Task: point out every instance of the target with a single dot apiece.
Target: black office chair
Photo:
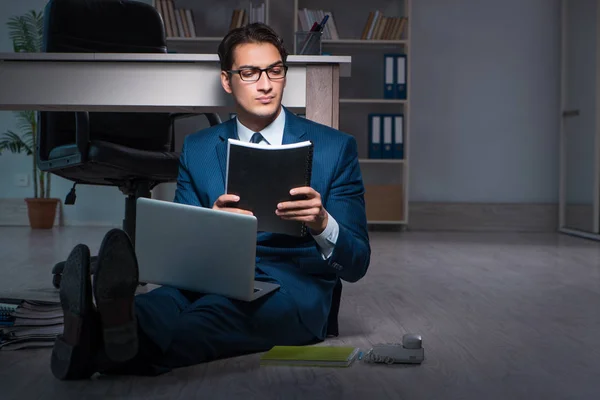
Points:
(132, 151)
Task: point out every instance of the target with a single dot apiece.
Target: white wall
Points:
(485, 100)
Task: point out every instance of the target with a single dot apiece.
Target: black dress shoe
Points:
(59, 267)
(115, 283)
(75, 349)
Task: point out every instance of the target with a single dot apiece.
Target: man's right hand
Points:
(223, 204)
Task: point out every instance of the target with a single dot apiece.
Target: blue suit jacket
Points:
(295, 263)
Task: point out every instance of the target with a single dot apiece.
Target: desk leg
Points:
(323, 94)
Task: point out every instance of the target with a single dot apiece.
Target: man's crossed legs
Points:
(154, 332)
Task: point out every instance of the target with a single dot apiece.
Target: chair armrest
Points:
(82, 143)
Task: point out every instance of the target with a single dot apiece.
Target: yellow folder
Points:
(310, 356)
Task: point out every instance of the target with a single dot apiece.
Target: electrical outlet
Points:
(22, 180)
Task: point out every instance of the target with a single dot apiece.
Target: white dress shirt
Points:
(273, 134)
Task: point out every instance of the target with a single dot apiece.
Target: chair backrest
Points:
(105, 26)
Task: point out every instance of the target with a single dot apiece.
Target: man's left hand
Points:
(309, 210)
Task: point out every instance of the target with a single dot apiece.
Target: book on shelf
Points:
(178, 22)
(263, 175)
(29, 323)
(386, 136)
(377, 27)
(394, 76)
(239, 18)
(381, 27)
(311, 356)
(242, 16)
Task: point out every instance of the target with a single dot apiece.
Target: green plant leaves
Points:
(26, 32)
(14, 143)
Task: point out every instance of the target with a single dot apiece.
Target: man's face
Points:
(261, 98)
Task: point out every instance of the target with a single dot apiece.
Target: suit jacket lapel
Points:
(293, 130)
(229, 131)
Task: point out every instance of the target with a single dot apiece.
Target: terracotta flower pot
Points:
(41, 212)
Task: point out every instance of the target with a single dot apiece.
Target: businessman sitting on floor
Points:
(169, 328)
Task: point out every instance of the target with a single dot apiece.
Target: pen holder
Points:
(308, 43)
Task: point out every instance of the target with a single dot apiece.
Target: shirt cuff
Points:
(327, 239)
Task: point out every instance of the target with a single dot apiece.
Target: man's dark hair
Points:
(252, 33)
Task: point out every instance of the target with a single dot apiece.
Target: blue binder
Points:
(388, 136)
(398, 151)
(375, 123)
(389, 73)
(401, 76)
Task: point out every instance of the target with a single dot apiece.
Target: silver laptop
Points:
(198, 249)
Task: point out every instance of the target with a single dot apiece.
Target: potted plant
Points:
(26, 33)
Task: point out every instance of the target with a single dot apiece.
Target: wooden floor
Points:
(503, 316)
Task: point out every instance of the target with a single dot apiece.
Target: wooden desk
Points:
(155, 83)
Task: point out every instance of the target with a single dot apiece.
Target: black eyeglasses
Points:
(253, 74)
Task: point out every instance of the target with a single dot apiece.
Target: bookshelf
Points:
(386, 180)
(208, 27)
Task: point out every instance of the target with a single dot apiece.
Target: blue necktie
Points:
(256, 138)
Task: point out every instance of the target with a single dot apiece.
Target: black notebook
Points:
(263, 175)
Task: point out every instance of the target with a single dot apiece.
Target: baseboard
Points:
(93, 224)
(13, 212)
(501, 217)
